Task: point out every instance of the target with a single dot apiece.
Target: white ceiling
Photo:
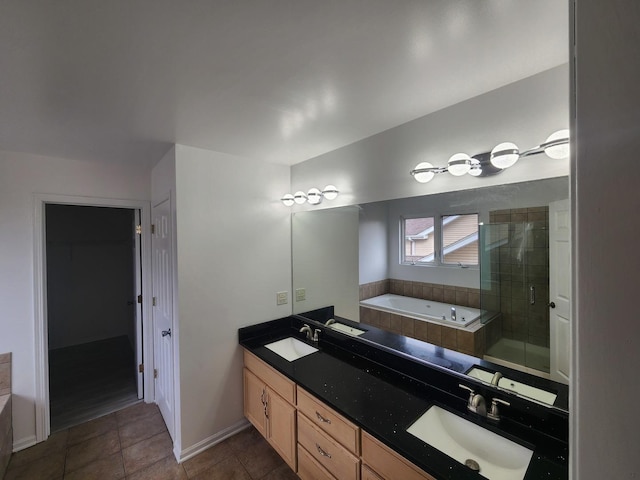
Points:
(274, 80)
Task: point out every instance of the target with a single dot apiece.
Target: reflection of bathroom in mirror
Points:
(510, 288)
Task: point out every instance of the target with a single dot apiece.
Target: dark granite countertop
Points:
(386, 401)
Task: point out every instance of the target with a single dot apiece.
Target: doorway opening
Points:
(94, 314)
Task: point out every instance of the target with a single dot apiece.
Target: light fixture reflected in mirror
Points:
(503, 156)
(314, 196)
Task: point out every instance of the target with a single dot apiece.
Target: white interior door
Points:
(163, 311)
(560, 289)
(137, 282)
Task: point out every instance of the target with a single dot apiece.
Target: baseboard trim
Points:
(23, 443)
(209, 442)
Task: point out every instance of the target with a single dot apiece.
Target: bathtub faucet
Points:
(453, 314)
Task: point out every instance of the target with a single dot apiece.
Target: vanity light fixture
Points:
(314, 196)
(503, 156)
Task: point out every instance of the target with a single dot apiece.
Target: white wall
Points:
(234, 254)
(373, 243)
(605, 386)
(22, 175)
(325, 260)
(377, 168)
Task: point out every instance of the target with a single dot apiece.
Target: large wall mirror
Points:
(346, 254)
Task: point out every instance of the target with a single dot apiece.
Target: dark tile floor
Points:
(133, 444)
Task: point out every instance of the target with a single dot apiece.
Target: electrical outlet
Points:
(301, 294)
(281, 298)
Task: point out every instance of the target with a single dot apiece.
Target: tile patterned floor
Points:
(133, 444)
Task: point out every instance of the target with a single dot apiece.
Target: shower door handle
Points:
(532, 295)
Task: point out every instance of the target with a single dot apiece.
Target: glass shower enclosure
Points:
(514, 288)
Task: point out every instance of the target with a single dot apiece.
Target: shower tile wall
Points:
(519, 268)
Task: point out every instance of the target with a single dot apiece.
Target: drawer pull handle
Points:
(322, 452)
(322, 419)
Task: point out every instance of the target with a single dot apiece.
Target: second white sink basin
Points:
(341, 327)
(514, 386)
(497, 457)
(291, 348)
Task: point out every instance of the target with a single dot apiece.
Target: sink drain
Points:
(472, 464)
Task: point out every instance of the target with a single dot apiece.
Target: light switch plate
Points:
(281, 298)
(301, 294)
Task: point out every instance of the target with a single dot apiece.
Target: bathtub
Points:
(426, 310)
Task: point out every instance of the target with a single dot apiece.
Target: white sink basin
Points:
(341, 327)
(498, 458)
(523, 389)
(291, 348)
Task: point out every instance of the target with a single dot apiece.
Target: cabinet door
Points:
(281, 429)
(368, 474)
(255, 395)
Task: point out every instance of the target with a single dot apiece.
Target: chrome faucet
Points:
(496, 378)
(330, 321)
(453, 314)
(476, 403)
(307, 329)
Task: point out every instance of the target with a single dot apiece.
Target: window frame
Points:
(438, 241)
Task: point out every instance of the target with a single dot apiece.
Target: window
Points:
(446, 240)
(419, 240)
(460, 239)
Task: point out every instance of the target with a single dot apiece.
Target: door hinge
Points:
(154, 301)
(139, 298)
(141, 368)
(155, 373)
(139, 229)
(153, 229)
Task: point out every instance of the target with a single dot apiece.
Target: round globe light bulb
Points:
(558, 152)
(423, 177)
(505, 155)
(314, 196)
(288, 200)
(476, 169)
(459, 164)
(330, 192)
(299, 197)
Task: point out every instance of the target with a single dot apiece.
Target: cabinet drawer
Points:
(309, 469)
(330, 421)
(326, 451)
(387, 463)
(278, 382)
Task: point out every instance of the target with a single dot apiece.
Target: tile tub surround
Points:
(470, 340)
(347, 374)
(463, 296)
(6, 430)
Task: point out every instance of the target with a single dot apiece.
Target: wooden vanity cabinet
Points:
(328, 444)
(269, 404)
(382, 463)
